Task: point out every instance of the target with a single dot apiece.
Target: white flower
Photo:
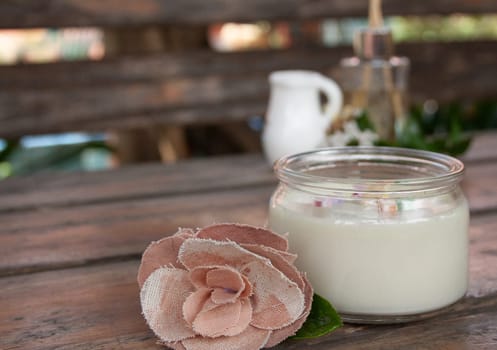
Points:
(367, 138)
(339, 139)
(352, 133)
(352, 129)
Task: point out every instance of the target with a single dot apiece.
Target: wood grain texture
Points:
(207, 87)
(480, 186)
(73, 309)
(60, 13)
(483, 148)
(66, 237)
(97, 307)
(134, 182)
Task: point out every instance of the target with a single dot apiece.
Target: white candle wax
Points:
(398, 266)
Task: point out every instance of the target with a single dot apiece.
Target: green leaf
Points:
(353, 142)
(322, 320)
(385, 143)
(459, 147)
(411, 136)
(363, 122)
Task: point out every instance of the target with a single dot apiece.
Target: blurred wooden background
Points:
(159, 73)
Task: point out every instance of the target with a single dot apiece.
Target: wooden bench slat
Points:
(203, 87)
(98, 306)
(30, 239)
(483, 147)
(58, 238)
(147, 180)
(60, 13)
(149, 68)
(480, 186)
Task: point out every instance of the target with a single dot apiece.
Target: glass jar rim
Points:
(369, 169)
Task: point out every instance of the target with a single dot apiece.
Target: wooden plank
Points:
(134, 182)
(51, 315)
(480, 186)
(30, 240)
(483, 147)
(60, 13)
(64, 237)
(97, 307)
(208, 87)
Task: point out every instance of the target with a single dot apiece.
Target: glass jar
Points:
(379, 89)
(375, 82)
(381, 232)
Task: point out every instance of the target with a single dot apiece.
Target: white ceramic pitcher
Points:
(295, 121)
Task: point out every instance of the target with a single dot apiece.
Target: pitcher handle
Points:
(335, 98)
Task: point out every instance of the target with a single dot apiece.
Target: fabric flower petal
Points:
(279, 261)
(195, 252)
(248, 290)
(198, 276)
(194, 303)
(244, 234)
(250, 339)
(279, 335)
(225, 277)
(223, 296)
(245, 318)
(162, 253)
(162, 297)
(289, 257)
(277, 301)
(217, 321)
(226, 281)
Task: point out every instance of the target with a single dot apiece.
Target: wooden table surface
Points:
(70, 246)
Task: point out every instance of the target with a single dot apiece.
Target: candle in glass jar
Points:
(389, 267)
(380, 240)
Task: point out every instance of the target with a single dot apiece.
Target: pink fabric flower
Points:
(225, 287)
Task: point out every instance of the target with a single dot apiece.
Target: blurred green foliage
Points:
(444, 28)
(18, 160)
(416, 28)
(448, 138)
(446, 129)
